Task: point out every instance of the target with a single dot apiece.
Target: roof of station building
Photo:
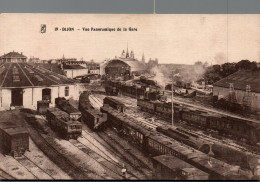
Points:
(241, 79)
(23, 75)
(134, 64)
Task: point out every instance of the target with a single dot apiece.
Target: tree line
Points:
(216, 72)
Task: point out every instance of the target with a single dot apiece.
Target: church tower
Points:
(132, 55)
(143, 59)
(127, 53)
(123, 54)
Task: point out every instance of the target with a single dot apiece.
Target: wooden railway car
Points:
(94, 118)
(240, 129)
(167, 167)
(91, 116)
(37, 123)
(146, 105)
(193, 142)
(111, 87)
(65, 106)
(155, 143)
(195, 118)
(14, 139)
(42, 106)
(61, 123)
(114, 104)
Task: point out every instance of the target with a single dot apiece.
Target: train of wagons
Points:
(155, 143)
(148, 100)
(117, 122)
(14, 139)
(240, 129)
(61, 122)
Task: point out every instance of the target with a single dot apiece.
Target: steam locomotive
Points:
(150, 92)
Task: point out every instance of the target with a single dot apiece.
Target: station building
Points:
(127, 64)
(23, 84)
(72, 71)
(244, 84)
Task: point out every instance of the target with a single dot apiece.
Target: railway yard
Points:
(120, 142)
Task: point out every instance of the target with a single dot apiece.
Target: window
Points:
(66, 91)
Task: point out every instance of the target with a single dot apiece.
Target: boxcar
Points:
(93, 118)
(65, 106)
(42, 106)
(15, 140)
(115, 104)
(146, 105)
(167, 167)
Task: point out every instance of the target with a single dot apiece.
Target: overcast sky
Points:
(170, 38)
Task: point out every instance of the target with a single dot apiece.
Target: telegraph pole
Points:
(172, 100)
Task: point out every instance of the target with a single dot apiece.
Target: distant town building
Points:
(244, 86)
(93, 68)
(66, 60)
(13, 57)
(72, 71)
(34, 60)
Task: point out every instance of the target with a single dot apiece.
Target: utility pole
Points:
(172, 100)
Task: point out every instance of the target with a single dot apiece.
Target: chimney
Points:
(22, 53)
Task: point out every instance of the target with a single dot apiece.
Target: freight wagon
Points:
(14, 139)
(167, 167)
(65, 106)
(91, 116)
(115, 104)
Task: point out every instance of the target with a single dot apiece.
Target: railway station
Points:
(99, 115)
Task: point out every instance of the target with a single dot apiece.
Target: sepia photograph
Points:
(129, 96)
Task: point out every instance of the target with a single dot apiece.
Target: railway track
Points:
(99, 102)
(111, 167)
(6, 176)
(33, 168)
(131, 167)
(63, 162)
(138, 164)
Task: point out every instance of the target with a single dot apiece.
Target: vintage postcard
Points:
(129, 97)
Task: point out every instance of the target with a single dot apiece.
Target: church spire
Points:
(127, 53)
(143, 59)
